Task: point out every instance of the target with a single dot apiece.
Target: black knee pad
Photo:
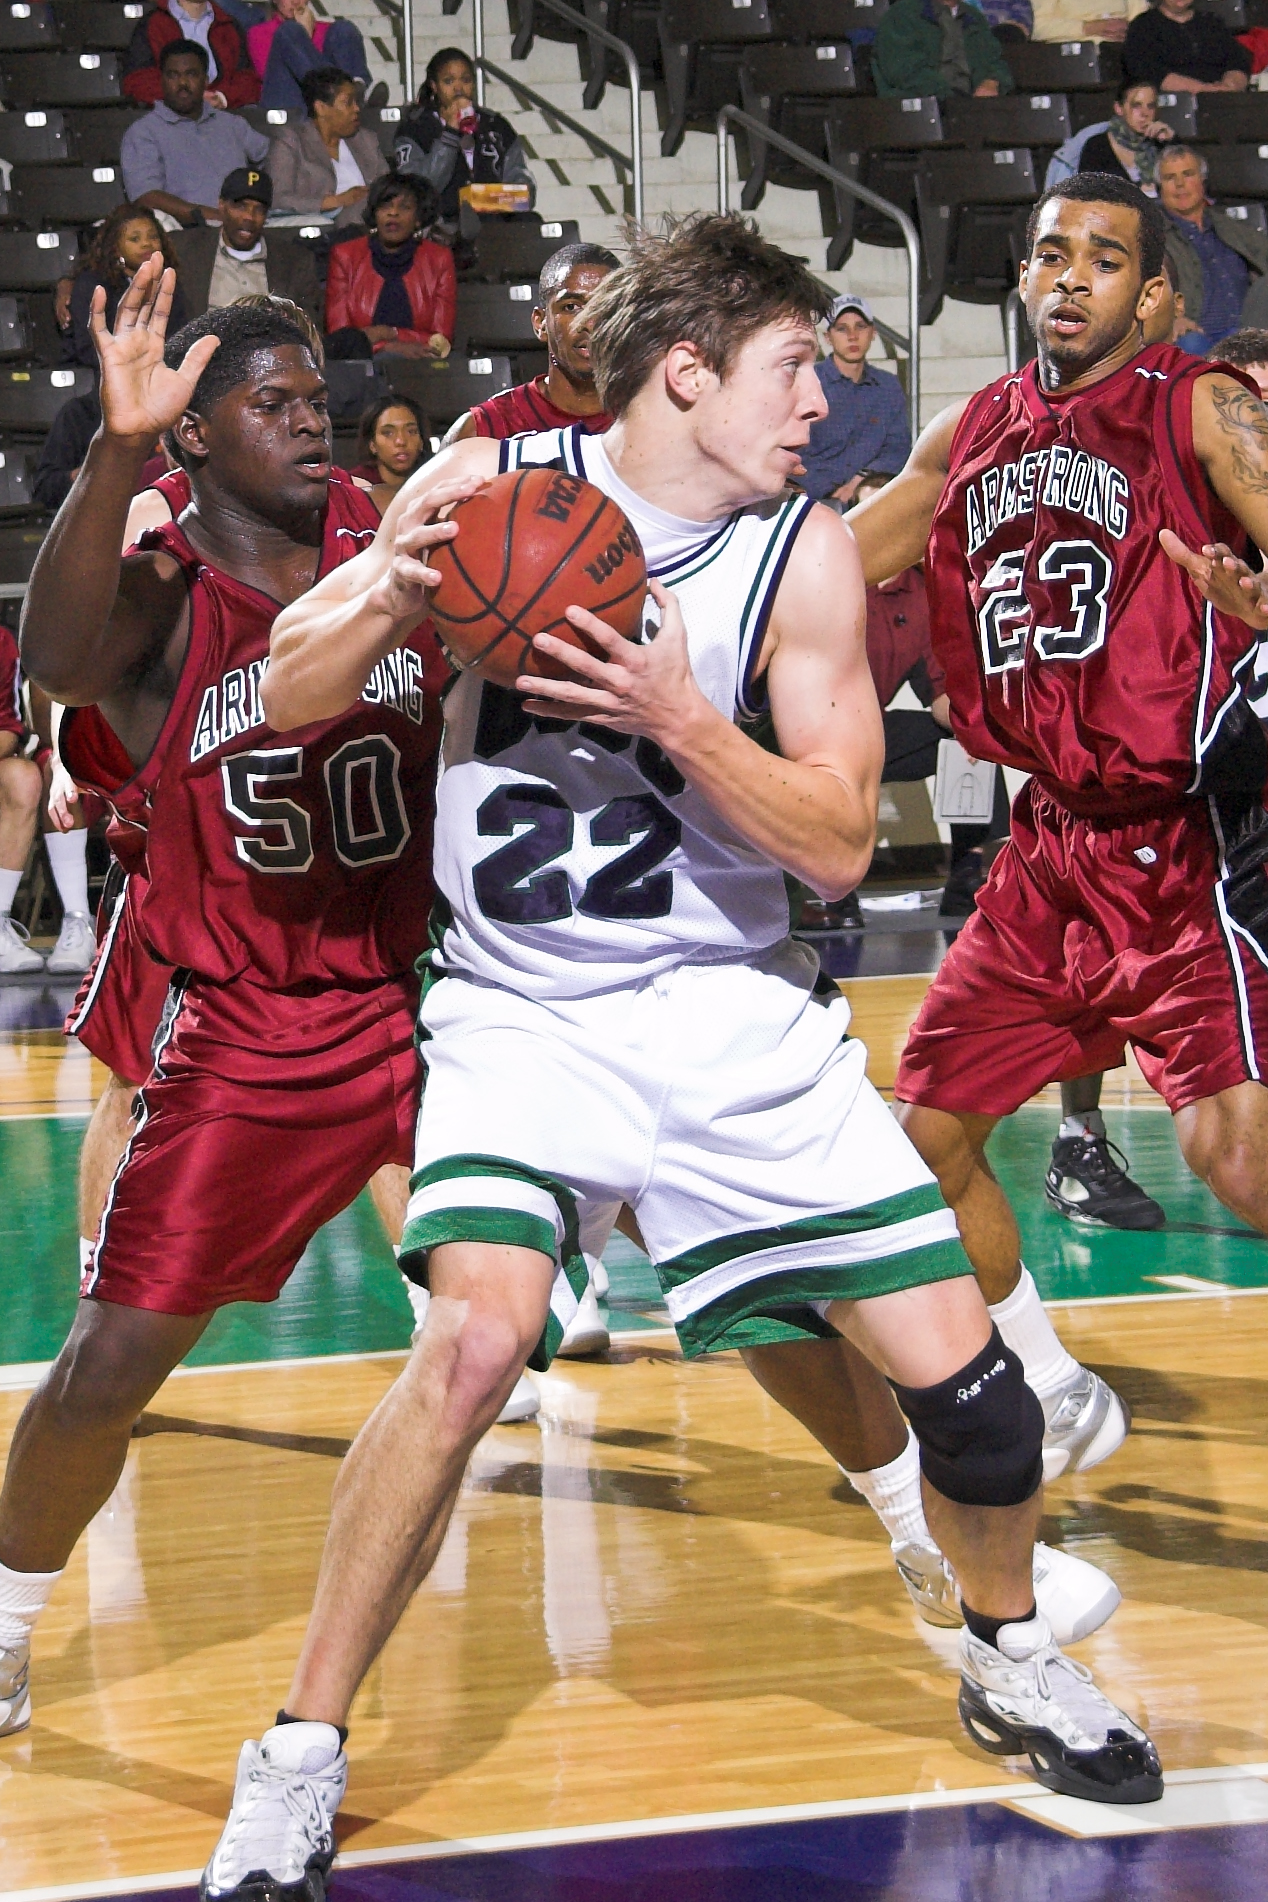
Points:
(981, 1431)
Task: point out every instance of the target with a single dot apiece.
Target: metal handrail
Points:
(634, 163)
(549, 110)
(911, 342)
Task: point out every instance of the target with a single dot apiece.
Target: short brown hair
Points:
(710, 280)
(1241, 349)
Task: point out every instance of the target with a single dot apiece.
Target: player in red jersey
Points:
(566, 394)
(1096, 633)
(288, 884)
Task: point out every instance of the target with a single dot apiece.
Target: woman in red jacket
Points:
(395, 287)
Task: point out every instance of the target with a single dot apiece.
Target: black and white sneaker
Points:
(278, 1843)
(1023, 1697)
(1088, 1181)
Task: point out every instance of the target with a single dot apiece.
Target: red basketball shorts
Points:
(265, 1114)
(119, 1004)
(1090, 936)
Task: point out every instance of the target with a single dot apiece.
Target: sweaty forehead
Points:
(1076, 222)
(288, 367)
(583, 280)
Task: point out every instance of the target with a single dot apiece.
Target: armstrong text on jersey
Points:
(234, 707)
(1059, 478)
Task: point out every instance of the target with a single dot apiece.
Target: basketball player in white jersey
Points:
(616, 1011)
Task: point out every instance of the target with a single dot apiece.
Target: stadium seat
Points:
(35, 138)
(512, 249)
(973, 208)
(701, 45)
(1255, 217)
(354, 386)
(445, 391)
(1065, 66)
(528, 21)
(637, 22)
(19, 545)
(16, 337)
(786, 87)
(46, 339)
(26, 26)
(61, 79)
(1232, 118)
(30, 398)
(878, 142)
(809, 20)
(1179, 110)
(34, 260)
(1232, 12)
(97, 131)
(270, 119)
(1237, 171)
(1029, 119)
(17, 473)
(64, 194)
(102, 26)
(384, 122)
(494, 318)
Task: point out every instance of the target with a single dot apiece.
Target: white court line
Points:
(1021, 1789)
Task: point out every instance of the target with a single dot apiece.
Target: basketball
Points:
(535, 542)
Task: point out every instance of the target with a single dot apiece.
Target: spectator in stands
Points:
(174, 159)
(1180, 48)
(1246, 350)
(937, 47)
(396, 287)
(394, 439)
(231, 79)
(119, 247)
(1070, 20)
(292, 41)
(566, 393)
(1213, 255)
(866, 426)
(326, 163)
(451, 142)
(1132, 143)
(219, 267)
(64, 448)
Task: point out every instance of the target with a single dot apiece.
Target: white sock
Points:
(1028, 1331)
(23, 1596)
(1083, 1123)
(86, 1246)
(67, 856)
(893, 1493)
(9, 882)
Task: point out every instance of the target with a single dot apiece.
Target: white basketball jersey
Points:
(572, 859)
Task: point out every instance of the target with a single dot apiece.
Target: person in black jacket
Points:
(1179, 48)
(123, 243)
(451, 142)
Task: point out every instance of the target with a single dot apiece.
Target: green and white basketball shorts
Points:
(725, 1102)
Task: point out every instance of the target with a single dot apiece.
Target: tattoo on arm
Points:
(1244, 419)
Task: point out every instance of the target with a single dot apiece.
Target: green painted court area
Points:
(347, 1298)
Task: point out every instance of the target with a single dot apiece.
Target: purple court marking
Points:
(977, 1852)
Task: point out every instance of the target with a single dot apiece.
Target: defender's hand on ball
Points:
(1222, 578)
(402, 593)
(645, 689)
(140, 396)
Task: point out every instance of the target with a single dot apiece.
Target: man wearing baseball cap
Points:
(866, 425)
(218, 265)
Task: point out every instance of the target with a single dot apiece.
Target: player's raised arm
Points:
(812, 808)
(87, 622)
(892, 529)
(326, 645)
(1230, 435)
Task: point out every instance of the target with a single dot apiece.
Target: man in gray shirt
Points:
(176, 157)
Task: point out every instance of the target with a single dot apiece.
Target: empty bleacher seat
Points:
(354, 386)
(61, 79)
(637, 22)
(65, 194)
(17, 473)
(97, 131)
(445, 391)
(878, 143)
(26, 25)
(494, 319)
(1232, 118)
(513, 249)
(16, 336)
(808, 20)
(973, 208)
(1237, 171)
(384, 122)
(34, 260)
(786, 87)
(1179, 110)
(1251, 217)
(102, 26)
(701, 45)
(35, 138)
(1062, 66)
(270, 119)
(30, 398)
(1029, 119)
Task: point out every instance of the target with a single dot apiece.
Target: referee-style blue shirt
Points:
(865, 428)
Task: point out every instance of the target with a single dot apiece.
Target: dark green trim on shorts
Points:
(926, 1200)
(776, 1307)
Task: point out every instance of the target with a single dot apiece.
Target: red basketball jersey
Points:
(12, 712)
(291, 859)
(1073, 647)
(527, 411)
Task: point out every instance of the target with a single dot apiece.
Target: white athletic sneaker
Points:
(1076, 1598)
(76, 946)
(1025, 1697)
(599, 1278)
(15, 1698)
(278, 1843)
(15, 948)
(586, 1332)
(1087, 1421)
(524, 1403)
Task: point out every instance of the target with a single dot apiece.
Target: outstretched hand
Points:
(140, 396)
(1222, 578)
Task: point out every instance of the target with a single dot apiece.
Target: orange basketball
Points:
(535, 542)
